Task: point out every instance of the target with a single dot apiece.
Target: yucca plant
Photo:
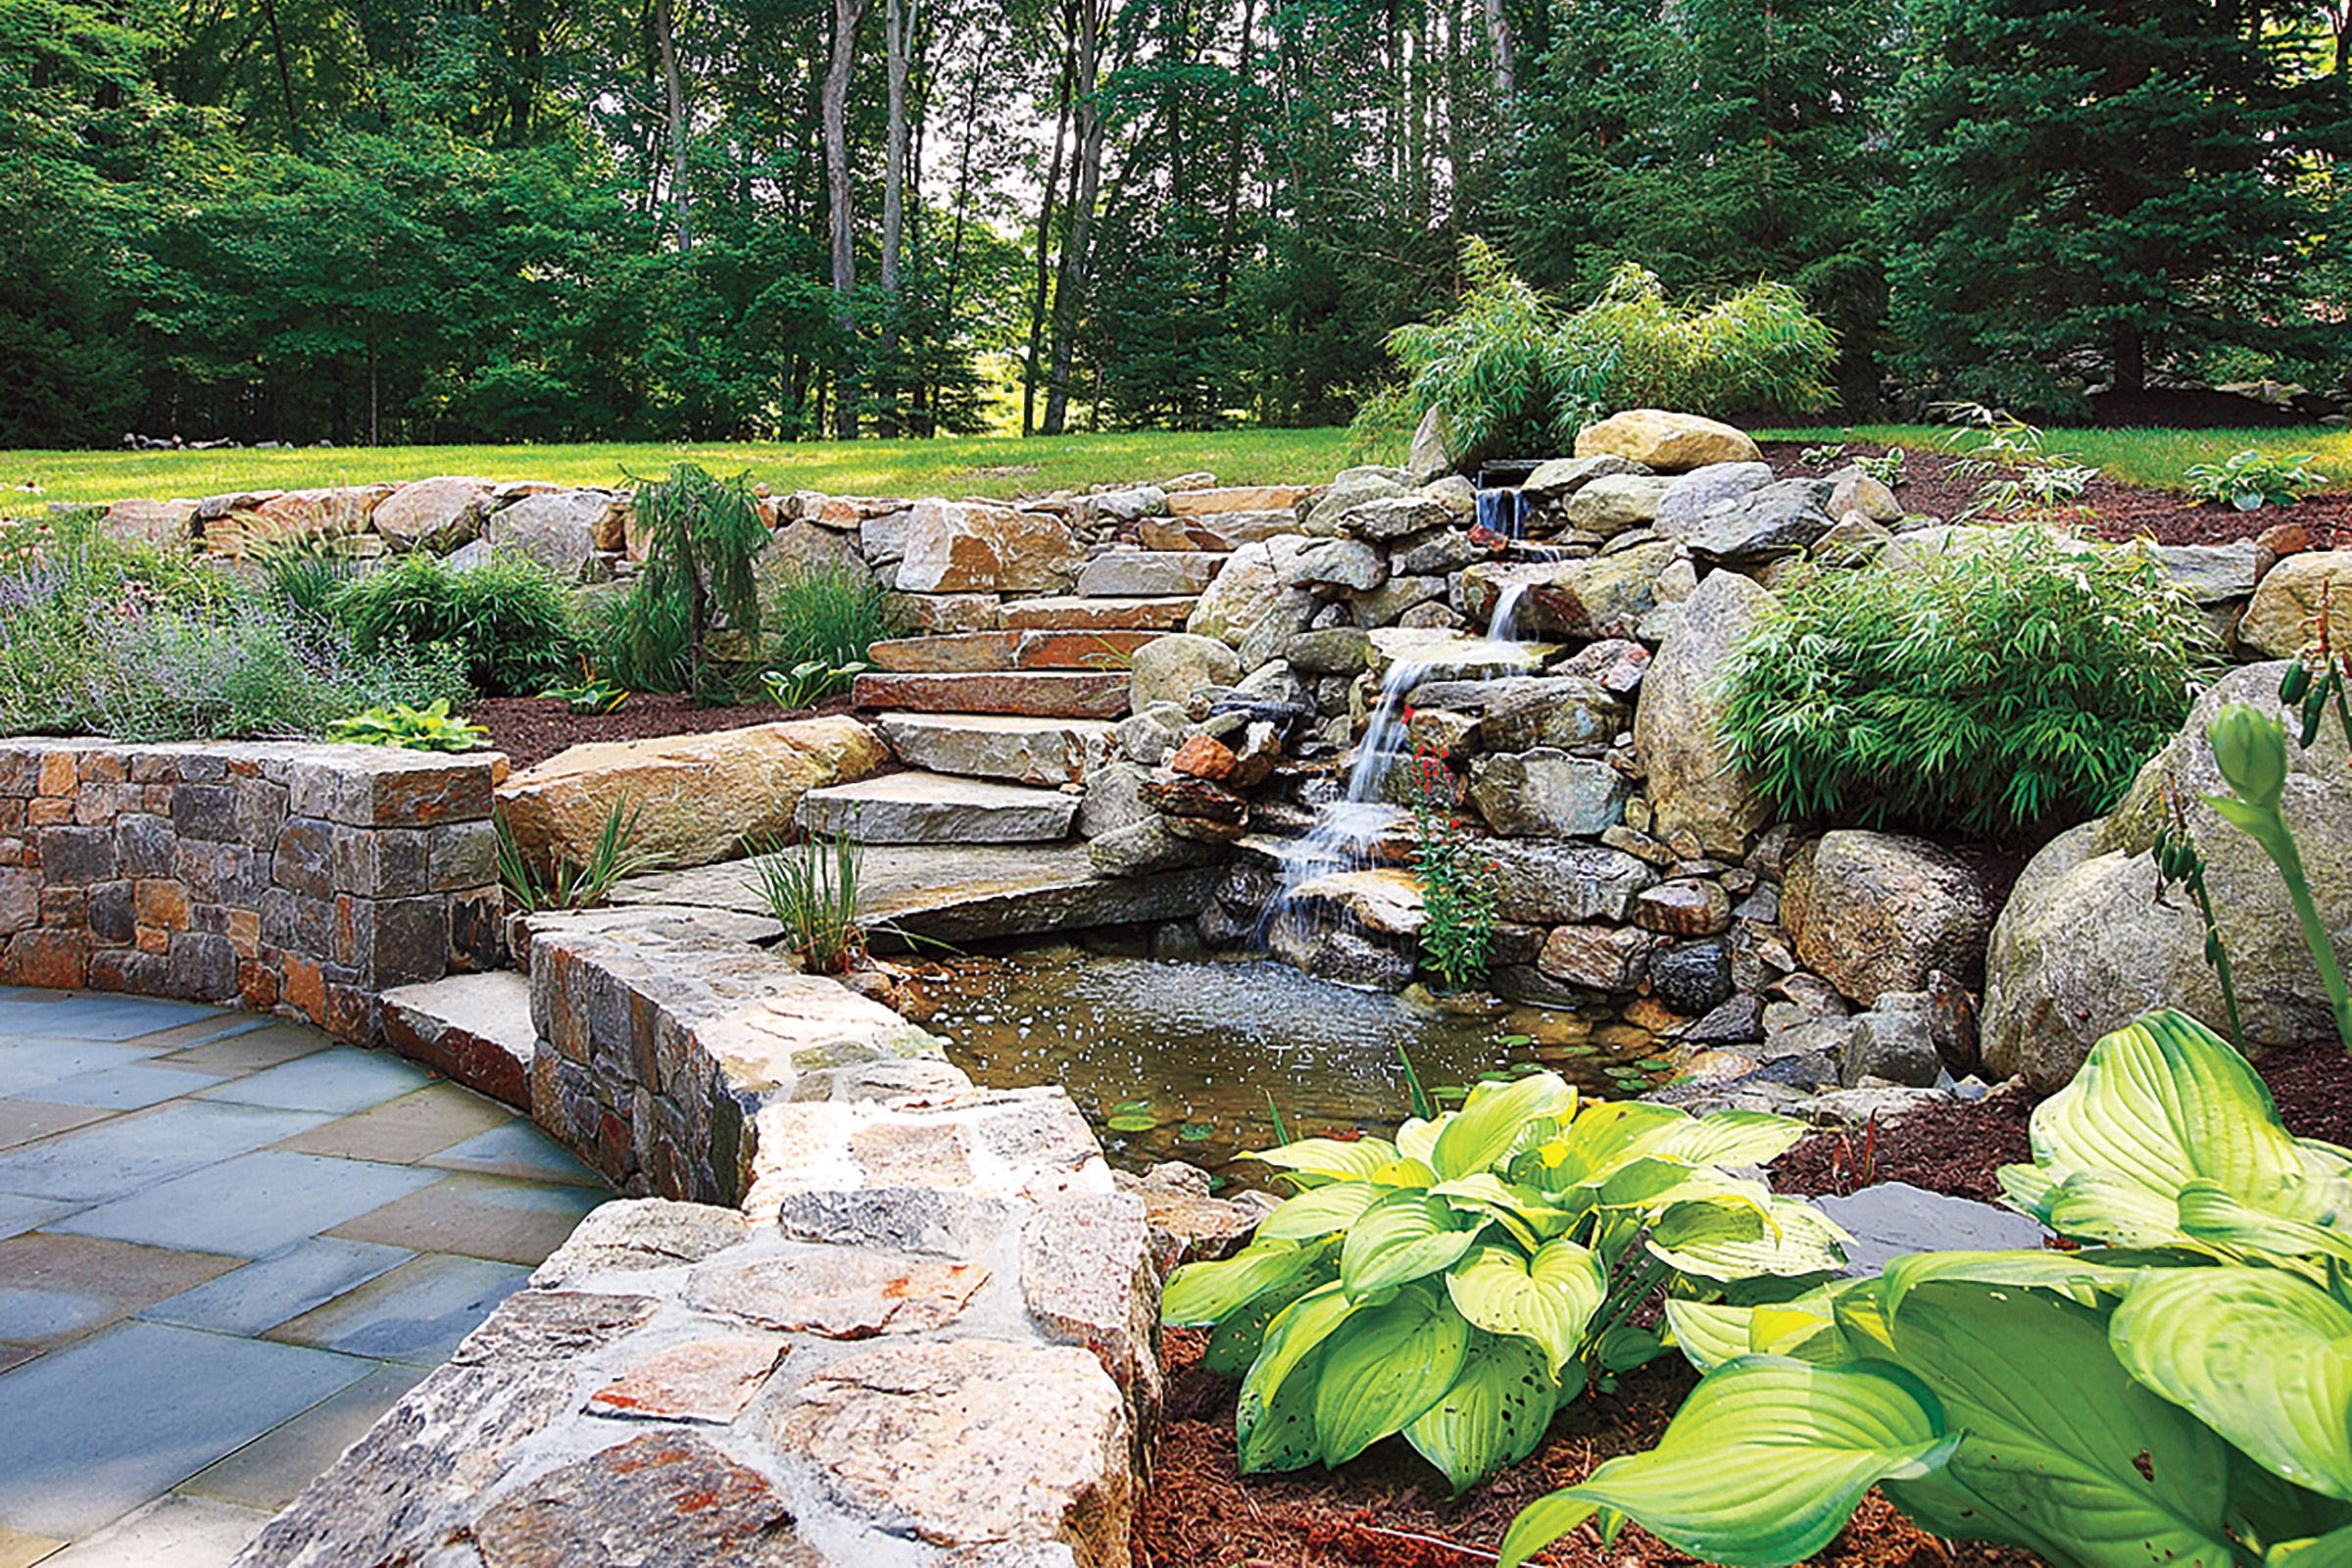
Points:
(558, 882)
(810, 888)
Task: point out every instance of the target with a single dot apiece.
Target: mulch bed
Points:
(1935, 486)
(532, 729)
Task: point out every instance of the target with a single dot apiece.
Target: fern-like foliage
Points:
(2018, 680)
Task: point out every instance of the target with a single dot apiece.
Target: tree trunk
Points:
(673, 90)
(1069, 288)
(1499, 40)
(848, 16)
(898, 37)
(1045, 219)
(2131, 360)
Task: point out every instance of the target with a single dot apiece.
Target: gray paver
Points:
(416, 1313)
(21, 1214)
(172, 1532)
(264, 1293)
(123, 1155)
(97, 1430)
(336, 1081)
(268, 1472)
(127, 1088)
(27, 1064)
(251, 1205)
(90, 1017)
(519, 1149)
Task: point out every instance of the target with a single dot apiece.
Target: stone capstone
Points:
(968, 546)
(662, 1501)
(1778, 519)
(1665, 442)
(707, 1380)
(837, 1293)
(1695, 496)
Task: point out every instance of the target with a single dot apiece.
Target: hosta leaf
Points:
(2087, 1278)
(1384, 1367)
(2263, 1357)
(1494, 1414)
(1240, 1335)
(2099, 1205)
(1403, 1237)
(2211, 1215)
(1548, 1299)
(1605, 1134)
(1417, 1139)
(1311, 1161)
(1274, 1416)
(1763, 1464)
(1203, 1292)
(1492, 1119)
(1708, 1332)
(1318, 1212)
(1732, 1138)
(2331, 1551)
(1729, 1239)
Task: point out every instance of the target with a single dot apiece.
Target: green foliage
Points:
(1888, 467)
(810, 890)
(2253, 478)
(2013, 680)
(590, 694)
(701, 537)
(2175, 1389)
(808, 682)
(638, 638)
(1457, 880)
(508, 617)
(1458, 1282)
(417, 729)
(306, 573)
(2017, 474)
(822, 620)
(1757, 348)
(557, 881)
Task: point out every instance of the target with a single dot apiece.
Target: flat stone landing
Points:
(963, 893)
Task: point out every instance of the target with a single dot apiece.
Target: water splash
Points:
(1503, 627)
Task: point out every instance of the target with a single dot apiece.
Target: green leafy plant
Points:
(590, 694)
(2009, 682)
(2175, 1389)
(1757, 348)
(554, 881)
(702, 536)
(1889, 468)
(1455, 1284)
(1824, 457)
(2252, 479)
(808, 682)
(306, 571)
(430, 728)
(1457, 880)
(810, 889)
(829, 614)
(2249, 747)
(2016, 472)
(2179, 860)
(508, 616)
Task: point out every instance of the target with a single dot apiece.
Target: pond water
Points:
(1176, 1059)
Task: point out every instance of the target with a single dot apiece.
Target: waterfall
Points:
(1503, 627)
(1502, 511)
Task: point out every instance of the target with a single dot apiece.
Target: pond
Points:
(1177, 1059)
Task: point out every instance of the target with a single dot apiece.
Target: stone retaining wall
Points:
(294, 878)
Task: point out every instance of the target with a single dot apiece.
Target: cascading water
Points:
(1503, 627)
(1502, 511)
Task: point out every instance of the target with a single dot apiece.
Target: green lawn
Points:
(2151, 458)
(987, 466)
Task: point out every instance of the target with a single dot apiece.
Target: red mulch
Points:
(532, 729)
(2117, 511)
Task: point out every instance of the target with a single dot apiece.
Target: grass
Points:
(2158, 460)
(977, 466)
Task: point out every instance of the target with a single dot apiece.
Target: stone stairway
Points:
(919, 806)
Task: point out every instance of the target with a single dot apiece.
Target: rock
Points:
(1087, 1279)
(1895, 1047)
(1435, 553)
(1683, 907)
(698, 799)
(1388, 518)
(159, 524)
(1547, 794)
(707, 1380)
(1694, 785)
(1737, 1021)
(2213, 574)
(1852, 490)
(2289, 597)
(1890, 1219)
(1665, 442)
(1695, 978)
(1187, 1224)
(1148, 573)
(1549, 882)
(1525, 713)
(972, 1442)
(668, 1498)
(435, 514)
(1449, 656)
(1148, 845)
(1307, 939)
(1114, 799)
(1184, 794)
(1431, 452)
(797, 547)
(1211, 500)
(2084, 945)
(1170, 669)
(839, 1292)
(1610, 505)
(1603, 596)
(999, 746)
(1205, 756)
(919, 808)
(642, 1232)
(1599, 958)
(1398, 601)
(966, 547)
(1349, 489)
(558, 530)
(1337, 564)
(1248, 586)
(1617, 665)
(1852, 542)
(1694, 495)
(1878, 911)
(1561, 478)
(1155, 730)
(1335, 651)
(1783, 519)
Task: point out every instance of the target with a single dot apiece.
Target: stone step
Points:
(1161, 612)
(1029, 693)
(1219, 530)
(473, 1028)
(919, 807)
(999, 746)
(967, 652)
(1234, 497)
(1150, 573)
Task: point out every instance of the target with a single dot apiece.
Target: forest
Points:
(380, 222)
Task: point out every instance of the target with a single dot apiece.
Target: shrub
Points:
(1458, 1282)
(2172, 1391)
(1981, 688)
(430, 728)
(701, 537)
(1759, 348)
(828, 615)
(2251, 479)
(1457, 880)
(508, 616)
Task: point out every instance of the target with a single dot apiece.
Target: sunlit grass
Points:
(2157, 459)
(977, 466)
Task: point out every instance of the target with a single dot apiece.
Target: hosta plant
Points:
(2251, 479)
(431, 728)
(2178, 1389)
(1457, 1281)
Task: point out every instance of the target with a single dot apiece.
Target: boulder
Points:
(1332, 650)
(1895, 1047)
(161, 524)
(1547, 794)
(1778, 519)
(1686, 907)
(1337, 564)
(1148, 573)
(1597, 956)
(1695, 978)
(2084, 945)
(436, 515)
(559, 529)
(1666, 442)
(1561, 478)
(1170, 669)
(700, 798)
(1385, 517)
(1873, 912)
(1694, 786)
(1349, 489)
(1431, 454)
(1605, 596)
(969, 547)
(1694, 495)
(798, 547)
(1439, 552)
(1148, 845)
(1525, 713)
(2214, 574)
(1249, 585)
(1439, 655)
(1555, 882)
(1852, 490)
(1610, 505)
(2289, 597)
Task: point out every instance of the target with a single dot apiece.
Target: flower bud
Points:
(2250, 748)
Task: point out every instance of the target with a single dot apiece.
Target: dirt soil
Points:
(2115, 510)
(532, 729)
